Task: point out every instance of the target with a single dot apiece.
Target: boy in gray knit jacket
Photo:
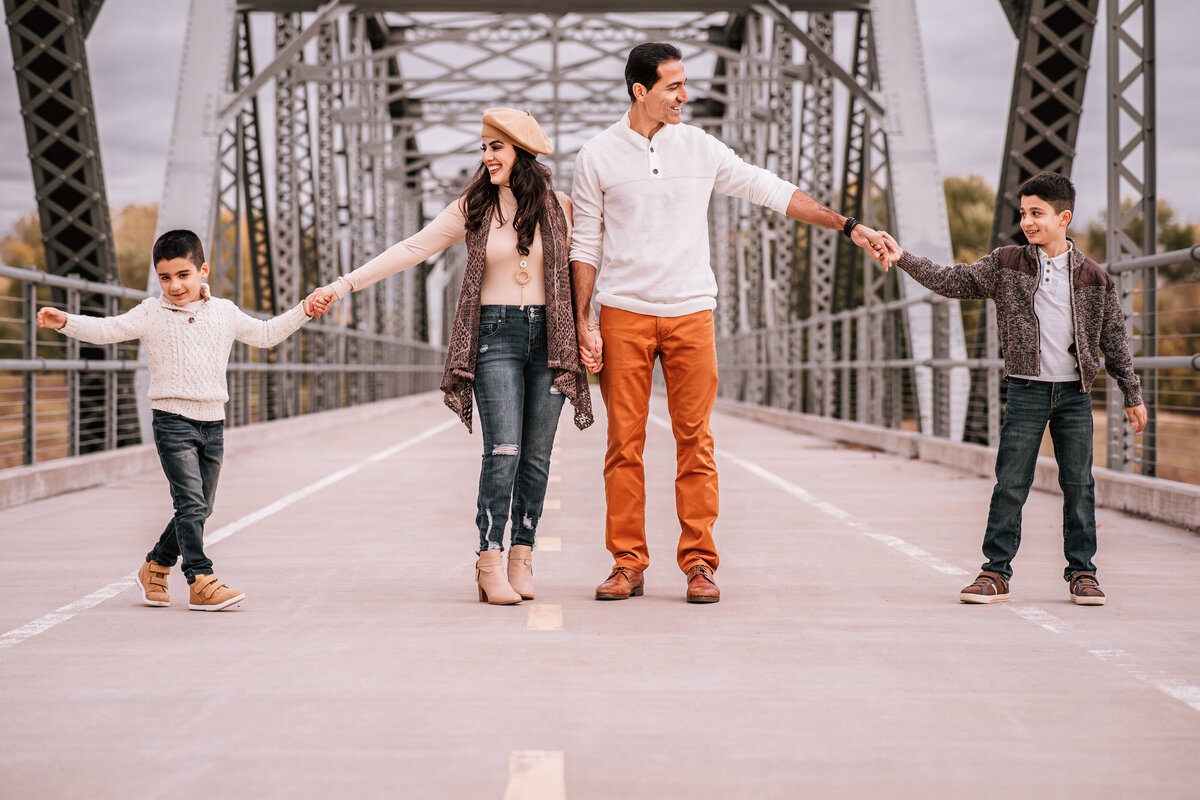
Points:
(1056, 311)
(186, 334)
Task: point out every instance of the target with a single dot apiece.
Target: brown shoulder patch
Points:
(1092, 274)
(1014, 257)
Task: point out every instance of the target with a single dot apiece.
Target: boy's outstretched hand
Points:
(1137, 417)
(319, 301)
(51, 318)
(871, 240)
(894, 250)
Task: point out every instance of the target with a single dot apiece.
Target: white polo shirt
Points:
(641, 214)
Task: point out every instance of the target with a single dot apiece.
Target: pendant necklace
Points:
(522, 276)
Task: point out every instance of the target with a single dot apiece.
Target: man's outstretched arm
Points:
(803, 208)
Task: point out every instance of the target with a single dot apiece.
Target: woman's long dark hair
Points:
(529, 181)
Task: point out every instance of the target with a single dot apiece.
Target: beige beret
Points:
(518, 128)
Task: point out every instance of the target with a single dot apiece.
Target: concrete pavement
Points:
(839, 662)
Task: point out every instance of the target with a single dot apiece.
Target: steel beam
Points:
(55, 91)
(816, 149)
(1047, 98)
(54, 85)
(919, 201)
(547, 7)
(1132, 170)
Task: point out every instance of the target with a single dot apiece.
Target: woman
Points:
(513, 343)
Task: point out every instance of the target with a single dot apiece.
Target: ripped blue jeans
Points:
(518, 414)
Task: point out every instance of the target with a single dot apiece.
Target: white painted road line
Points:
(536, 775)
(552, 505)
(45, 623)
(1169, 685)
(545, 617)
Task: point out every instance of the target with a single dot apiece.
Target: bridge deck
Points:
(838, 664)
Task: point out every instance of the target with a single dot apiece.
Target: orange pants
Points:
(686, 347)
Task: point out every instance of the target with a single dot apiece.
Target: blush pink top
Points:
(448, 228)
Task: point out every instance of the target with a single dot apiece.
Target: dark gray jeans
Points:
(518, 414)
(1031, 406)
(190, 452)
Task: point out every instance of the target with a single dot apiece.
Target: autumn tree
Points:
(970, 206)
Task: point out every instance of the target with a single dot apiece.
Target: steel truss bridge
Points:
(310, 136)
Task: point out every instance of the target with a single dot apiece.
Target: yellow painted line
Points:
(556, 478)
(552, 505)
(550, 544)
(545, 617)
(536, 775)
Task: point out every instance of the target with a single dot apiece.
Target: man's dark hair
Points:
(178, 244)
(642, 64)
(1055, 189)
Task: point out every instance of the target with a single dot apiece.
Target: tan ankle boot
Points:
(493, 586)
(520, 570)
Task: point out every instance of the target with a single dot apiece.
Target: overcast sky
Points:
(134, 53)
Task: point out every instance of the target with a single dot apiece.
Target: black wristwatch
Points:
(849, 226)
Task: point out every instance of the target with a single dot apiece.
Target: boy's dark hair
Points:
(642, 64)
(178, 244)
(1055, 189)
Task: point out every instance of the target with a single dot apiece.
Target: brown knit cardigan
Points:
(562, 347)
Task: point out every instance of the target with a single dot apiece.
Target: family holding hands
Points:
(633, 240)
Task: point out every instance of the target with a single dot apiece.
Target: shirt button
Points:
(191, 320)
(655, 172)
(651, 149)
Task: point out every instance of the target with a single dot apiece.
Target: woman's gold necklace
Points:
(522, 276)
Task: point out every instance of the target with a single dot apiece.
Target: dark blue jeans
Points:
(190, 452)
(1068, 411)
(518, 413)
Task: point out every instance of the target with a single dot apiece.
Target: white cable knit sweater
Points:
(187, 352)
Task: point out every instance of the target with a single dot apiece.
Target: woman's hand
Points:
(591, 346)
(318, 303)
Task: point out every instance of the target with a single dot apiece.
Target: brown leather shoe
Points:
(989, 587)
(1085, 590)
(701, 586)
(622, 584)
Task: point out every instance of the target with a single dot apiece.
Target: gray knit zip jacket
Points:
(1009, 277)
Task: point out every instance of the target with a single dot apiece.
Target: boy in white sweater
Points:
(187, 335)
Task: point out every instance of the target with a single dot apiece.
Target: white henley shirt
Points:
(641, 214)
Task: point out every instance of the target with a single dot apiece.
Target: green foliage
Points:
(133, 237)
(23, 246)
(970, 205)
(1173, 234)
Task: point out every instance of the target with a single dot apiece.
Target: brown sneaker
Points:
(1085, 591)
(209, 594)
(152, 578)
(701, 586)
(987, 588)
(622, 584)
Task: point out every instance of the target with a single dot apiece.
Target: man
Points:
(641, 197)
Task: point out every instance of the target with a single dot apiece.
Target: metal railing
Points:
(773, 367)
(48, 391)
